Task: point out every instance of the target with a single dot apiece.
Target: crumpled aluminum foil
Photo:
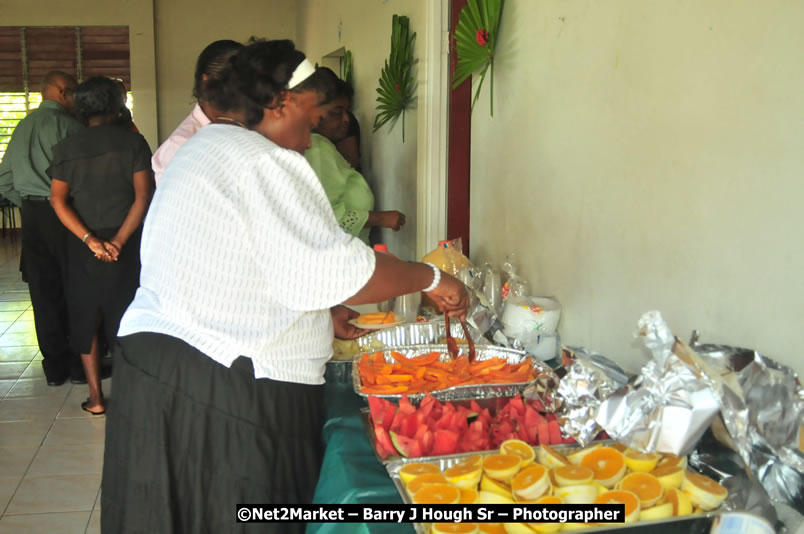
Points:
(668, 406)
(762, 405)
(576, 390)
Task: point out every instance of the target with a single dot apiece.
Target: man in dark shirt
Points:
(24, 181)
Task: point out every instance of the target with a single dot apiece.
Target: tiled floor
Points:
(51, 451)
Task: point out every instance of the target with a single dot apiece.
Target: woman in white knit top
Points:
(218, 376)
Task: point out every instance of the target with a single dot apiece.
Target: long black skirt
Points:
(99, 290)
(188, 438)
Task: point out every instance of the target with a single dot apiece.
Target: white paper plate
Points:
(375, 326)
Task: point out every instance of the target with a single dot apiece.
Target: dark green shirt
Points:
(23, 171)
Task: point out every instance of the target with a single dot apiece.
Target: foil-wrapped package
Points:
(586, 379)
(762, 406)
(669, 405)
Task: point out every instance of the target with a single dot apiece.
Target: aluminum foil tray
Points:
(425, 333)
(676, 524)
(474, 391)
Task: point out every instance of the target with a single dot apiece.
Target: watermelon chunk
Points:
(384, 445)
(420, 432)
(537, 405)
(554, 431)
(407, 447)
(474, 407)
(550, 416)
(517, 405)
(544, 434)
(376, 407)
(388, 416)
(446, 442)
(405, 406)
(396, 423)
(426, 442)
(410, 424)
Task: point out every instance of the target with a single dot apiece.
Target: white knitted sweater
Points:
(242, 255)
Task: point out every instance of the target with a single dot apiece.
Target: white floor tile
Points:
(14, 461)
(37, 387)
(68, 460)
(24, 433)
(66, 432)
(49, 523)
(30, 409)
(43, 494)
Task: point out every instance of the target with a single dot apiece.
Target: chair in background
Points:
(9, 216)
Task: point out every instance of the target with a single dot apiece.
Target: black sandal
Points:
(84, 407)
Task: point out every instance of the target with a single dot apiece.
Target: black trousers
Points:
(43, 240)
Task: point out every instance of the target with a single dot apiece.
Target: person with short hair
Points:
(350, 195)
(219, 372)
(24, 181)
(208, 67)
(101, 188)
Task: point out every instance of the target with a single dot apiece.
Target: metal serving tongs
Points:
(470, 341)
(452, 345)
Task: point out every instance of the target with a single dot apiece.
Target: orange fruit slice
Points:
(519, 448)
(495, 486)
(645, 486)
(671, 459)
(704, 492)
(641, 461)
(437, 494)
(546, 527)
(475, 459)
(578, 494)
(468, 496)
(607, 464)
(491, 528)
(669, 476)
(517, 528)
(454, 528)
(410, 471)
(552, 474)
(576, 456)
(627, 498)
(681, 503)
(619, 446)
(464, 476)
(502, 466)
(424, 480)
(569, 475)
(549, 457)
(531, 483)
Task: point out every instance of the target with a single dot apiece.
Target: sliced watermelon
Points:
(446, 442)
(517, 404)
(384, 444)
(405, 406)
(396, 423)
(410, 425)
(420, 432)
(475, 407)
(555, 432)
(550, 416)
(376, 407)
(536, 405)
(388, 416)
(407, 447)
(426, 442)
(544, 434)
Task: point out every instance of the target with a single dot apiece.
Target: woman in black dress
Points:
(102, 186)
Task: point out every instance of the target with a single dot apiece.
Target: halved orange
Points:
(424, 480)
(641, 461)
(552, 474)
(410, 471)
(475, 459)
(468, 496)
(546, 527)
(519, 448)
(569, 475)
(464, 476)
(531, 483)
(669, 476)
(491, 528)
(495, 486)
(645, 486)
(437, 494)
(704, 492)
(502, 466)
(619, 446)
(607, 463)
(671, 459)
(549, 457)
(681, 503)
(629, 499)
(454, 528)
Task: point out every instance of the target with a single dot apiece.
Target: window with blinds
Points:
(27, 54)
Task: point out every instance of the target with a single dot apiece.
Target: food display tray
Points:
(675, 524)
(471, 391)
(425, 333)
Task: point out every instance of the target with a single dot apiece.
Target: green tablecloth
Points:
(351, 473)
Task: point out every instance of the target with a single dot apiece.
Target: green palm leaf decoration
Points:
(346, 67)
(475, 38)
(396, 79)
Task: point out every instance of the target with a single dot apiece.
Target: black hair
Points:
(256, 76)
(342, 88)
(211, 62)
(98, 95)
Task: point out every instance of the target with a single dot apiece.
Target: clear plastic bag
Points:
(514, 285)
(448, 257)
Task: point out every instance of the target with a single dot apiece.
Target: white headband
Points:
(302, 72)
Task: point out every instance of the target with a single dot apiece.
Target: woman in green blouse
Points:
(348, 192)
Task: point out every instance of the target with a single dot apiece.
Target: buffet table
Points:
(351, 473)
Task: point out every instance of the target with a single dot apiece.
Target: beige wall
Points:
(138, 16)
(364, 27)
(185, 27)
(647, 155)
